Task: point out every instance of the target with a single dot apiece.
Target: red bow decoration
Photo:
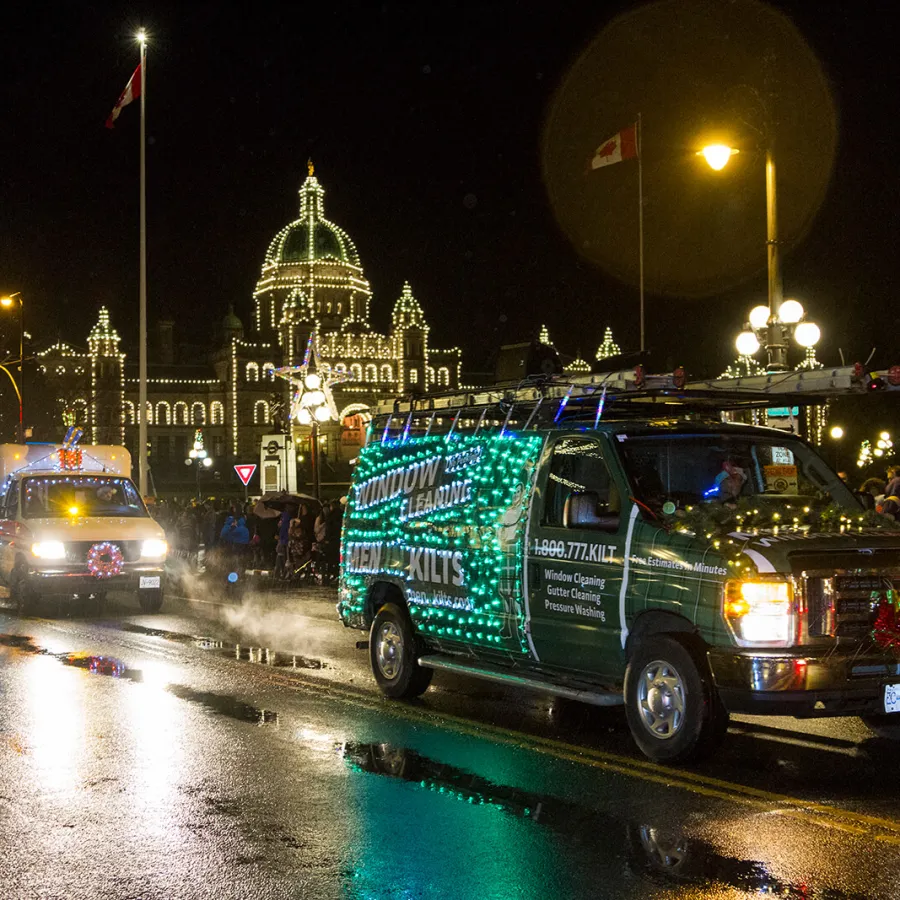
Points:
(886, 630)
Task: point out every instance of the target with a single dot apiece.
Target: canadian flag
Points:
(132, 92)
(620, 146)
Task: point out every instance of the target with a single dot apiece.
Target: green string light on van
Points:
(501, 468)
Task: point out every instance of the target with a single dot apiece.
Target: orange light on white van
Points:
(73, 510)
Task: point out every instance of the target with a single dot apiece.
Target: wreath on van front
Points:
(105, 560)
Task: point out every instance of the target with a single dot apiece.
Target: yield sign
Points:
(245, 472)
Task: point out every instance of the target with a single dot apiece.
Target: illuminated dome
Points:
(312, 237)
(313, 258)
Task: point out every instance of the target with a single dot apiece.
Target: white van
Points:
(73, 523)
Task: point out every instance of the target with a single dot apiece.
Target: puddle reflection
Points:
(55, 729)
(265, 656)
(225, 705)
(661, 854)
(110, 666)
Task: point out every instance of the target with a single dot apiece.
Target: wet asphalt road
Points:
(223, 751)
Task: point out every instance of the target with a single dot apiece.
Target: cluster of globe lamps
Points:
(313, 403)
(198, 453)
(790, 317)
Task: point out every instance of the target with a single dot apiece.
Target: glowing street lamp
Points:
(198, 457)
(8, 303)
(747, 343)
(717, 156)
(790, 320)
(312, 404)
(836, 433)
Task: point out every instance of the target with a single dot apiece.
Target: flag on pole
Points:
(620, 146)
(132, 92)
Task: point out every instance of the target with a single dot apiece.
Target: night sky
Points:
(425, 123)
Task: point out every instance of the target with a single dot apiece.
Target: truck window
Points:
(80, 495)
(725, 468)
(577, 467)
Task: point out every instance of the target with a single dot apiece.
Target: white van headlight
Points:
(49, 550)
(154, 549)
(760, 612)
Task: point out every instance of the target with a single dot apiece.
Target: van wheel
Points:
(673, 710)
(393, 652)
(23, 598)
(151, 600)
(885, 725)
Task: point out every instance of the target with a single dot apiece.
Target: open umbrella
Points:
(261, 511)
(283, 499)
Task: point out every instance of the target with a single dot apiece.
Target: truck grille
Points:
(845, 604)
(77, 551)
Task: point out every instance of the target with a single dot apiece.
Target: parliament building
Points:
(312, 282)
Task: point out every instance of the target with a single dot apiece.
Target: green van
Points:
(684, 567)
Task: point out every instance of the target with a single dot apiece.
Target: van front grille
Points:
(845, 604)
(77, 551)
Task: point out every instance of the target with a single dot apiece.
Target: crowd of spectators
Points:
(290, 542)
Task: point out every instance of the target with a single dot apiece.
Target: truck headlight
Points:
(154, 549)
(49, 550)
(760, 613)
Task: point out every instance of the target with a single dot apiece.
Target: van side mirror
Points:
(581, 511)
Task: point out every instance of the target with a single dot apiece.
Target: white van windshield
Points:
(58, 496)
(724, 468)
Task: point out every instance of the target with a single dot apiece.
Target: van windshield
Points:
(58, 496)
(724, 468)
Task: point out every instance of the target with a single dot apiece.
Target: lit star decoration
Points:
(473, 516)
(312, 397)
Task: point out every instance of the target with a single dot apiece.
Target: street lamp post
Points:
(776, 335)
(7, 303)
(312, 403)
(313, 409)
(836, 433)
(199, 458)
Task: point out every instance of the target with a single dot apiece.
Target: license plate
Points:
(152, 581)
(892, 698)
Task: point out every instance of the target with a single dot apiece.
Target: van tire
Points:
(673, 710)
(394, 655)
(885, 725)
(151, 600)
(24, 599)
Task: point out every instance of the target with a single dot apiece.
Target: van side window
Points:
(578, 467)
(9, 503)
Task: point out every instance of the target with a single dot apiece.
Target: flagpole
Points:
(142, 356)
(640, 157)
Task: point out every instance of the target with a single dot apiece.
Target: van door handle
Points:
(534, 573)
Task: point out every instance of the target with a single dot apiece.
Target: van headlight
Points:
(154, 549)
(760, 613)
(49, 550)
